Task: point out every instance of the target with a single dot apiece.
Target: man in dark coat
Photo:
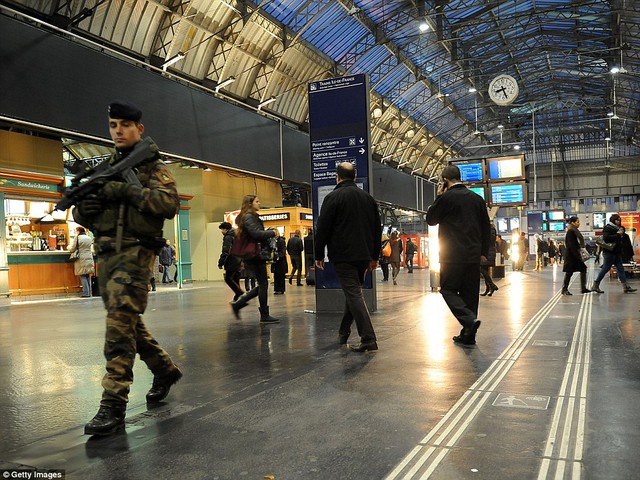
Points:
(612, 234)
(463, 242)
(294, 249)
(227, 261)
(308, 251)
(409, 252)
(349, 226)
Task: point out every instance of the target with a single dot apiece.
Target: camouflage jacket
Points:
(145, 208)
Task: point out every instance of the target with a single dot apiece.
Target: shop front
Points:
(35, 259)
(287, 220)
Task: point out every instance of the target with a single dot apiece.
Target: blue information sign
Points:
(339, 132)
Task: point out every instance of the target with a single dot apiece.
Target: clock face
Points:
(503, 90)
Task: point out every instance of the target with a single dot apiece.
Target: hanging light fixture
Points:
(176, 58)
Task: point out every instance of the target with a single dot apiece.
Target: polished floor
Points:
(551, 390)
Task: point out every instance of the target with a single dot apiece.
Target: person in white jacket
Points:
(83, 266)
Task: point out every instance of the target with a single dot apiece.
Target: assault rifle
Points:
(92, 179)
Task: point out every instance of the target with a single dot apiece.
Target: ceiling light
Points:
(607, 138)
(424, 27)
(226, 82)
(500, 126)
(266, 102)
(377, 112)
(516, 147)
(609, 114)
(176, 58)
(473, 89)
(614, 69)
(410, 133)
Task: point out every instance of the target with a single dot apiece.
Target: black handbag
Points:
(609, 247)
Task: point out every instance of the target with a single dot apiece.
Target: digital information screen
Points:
(556, 226)
(556, 215)
(506, 168)
(599, 220)
(508, 194)
(502, 225)
(471, 171)
(514, 223)
(477, 190)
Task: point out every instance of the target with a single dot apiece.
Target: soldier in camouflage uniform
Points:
(127, 220)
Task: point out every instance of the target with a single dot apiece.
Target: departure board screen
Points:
(471, 170)
(508, 193)
(477, 190)
(506, 168)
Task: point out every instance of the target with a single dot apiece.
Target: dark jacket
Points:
(308, 245)
(280, 264)
(572, 257)
(610, 235)
(167, 256)
(228, 261)
(409, 248)
(349, 225)
(491, 256)
(464, 233)
(627, 249)
(295, 247)
(253, 226)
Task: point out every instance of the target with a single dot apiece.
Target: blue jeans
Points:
(165, 274)
(86, 285)
(609, 260)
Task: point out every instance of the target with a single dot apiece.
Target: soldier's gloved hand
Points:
(119, 191)
(91, 205)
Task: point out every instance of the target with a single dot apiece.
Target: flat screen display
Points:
(514, 223)
(545, 227)
(471, 170)
(508, 194)
(599, 220)
(556, 215)
(556, 226)
(506, 168)
(502, 225)
(477, 190)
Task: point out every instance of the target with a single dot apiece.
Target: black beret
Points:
(125, 111)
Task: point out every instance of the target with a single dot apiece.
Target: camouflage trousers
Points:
(123, 278)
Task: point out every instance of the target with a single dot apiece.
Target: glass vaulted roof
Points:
(422, 58)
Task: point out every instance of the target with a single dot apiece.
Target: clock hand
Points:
(503, 90)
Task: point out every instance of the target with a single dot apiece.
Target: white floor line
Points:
(573, 390)
(492, 377)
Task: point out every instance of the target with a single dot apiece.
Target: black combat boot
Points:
(627, 289)
(596, 287)
(108, 420)
(162, 384)
(265, 317)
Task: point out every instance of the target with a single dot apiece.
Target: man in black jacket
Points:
(227, 261)
(294, 249)
(349, 226)
(464, 238)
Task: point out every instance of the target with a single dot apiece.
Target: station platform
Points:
(551, 390)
